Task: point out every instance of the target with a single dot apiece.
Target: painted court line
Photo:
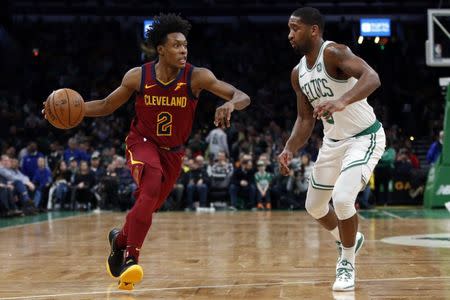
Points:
(261, 284)
(391, 215)
(45, 221)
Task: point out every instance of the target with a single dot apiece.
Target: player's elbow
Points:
(375, 79)
(246, 100)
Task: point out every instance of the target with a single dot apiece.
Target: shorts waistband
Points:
(369, 130)
(172, 149)
(178, 148)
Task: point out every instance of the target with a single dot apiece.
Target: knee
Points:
(151, 182)
(316, 210)
(344, 205)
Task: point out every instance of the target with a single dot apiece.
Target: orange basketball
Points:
(64, 108)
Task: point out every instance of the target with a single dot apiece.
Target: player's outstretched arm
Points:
(368, 81)
(204, 79)
(130, 83)
(302, 129)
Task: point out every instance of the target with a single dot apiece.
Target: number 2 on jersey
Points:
(164, 124)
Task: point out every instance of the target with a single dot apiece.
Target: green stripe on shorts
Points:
(319, 186)
(367, 156)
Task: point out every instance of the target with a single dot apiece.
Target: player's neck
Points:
(311, 56)
(165, 72)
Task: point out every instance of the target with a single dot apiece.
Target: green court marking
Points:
(405, 213)
(43, 217)
(379, 213)
(374, 214)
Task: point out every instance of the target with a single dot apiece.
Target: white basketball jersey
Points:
(318, 86)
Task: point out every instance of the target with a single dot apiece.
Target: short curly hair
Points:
(310, 16)
(163, 25)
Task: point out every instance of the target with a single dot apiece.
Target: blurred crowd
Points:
(84, 168)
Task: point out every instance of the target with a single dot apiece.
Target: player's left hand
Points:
(223, 115)
(327, 108)
(43, 110)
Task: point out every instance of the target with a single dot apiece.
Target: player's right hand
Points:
(223, 115)
(285, 159)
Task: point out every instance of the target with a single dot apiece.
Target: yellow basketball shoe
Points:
(131, 274)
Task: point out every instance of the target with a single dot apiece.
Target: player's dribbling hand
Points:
(43, 110)
(327, 107)
(223, 115)
(285, 159)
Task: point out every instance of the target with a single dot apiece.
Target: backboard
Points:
(437, 47)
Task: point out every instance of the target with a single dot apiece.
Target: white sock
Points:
(349, 254)
(335, 233)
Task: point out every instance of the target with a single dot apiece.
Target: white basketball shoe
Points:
(345, 276)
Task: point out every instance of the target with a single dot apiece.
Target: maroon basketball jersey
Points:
(165, 111)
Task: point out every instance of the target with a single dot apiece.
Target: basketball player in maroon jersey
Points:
(167, 92)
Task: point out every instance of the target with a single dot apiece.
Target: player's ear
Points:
(160, 50)
(315, 30)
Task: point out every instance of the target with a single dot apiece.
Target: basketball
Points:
(64, 108)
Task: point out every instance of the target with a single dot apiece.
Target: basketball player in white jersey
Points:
(332, 84)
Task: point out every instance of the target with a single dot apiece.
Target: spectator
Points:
(266, 160)
(364, 195)
(242, 183)
(109, 188)
(175, 199)
(55, 156)
(127, 186)
(298, 181)
(84, 151)
(217, 140)
(83, 183)
(20, 189)
(72, 151)
(198, 181)
(59, 191)
(435, 149)
(383, 173)
(42, 179)
(20, 176)
(97, 169)
(197, 145)
(413, 158)
(29, 164)
(73, 168)
(200, 160)
(8, 207)
(263, 180)
(402, 165)
(221, 169)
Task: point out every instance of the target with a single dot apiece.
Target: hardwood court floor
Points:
(223, 255)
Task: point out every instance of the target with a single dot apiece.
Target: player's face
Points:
(175, 50)
(299, 35)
